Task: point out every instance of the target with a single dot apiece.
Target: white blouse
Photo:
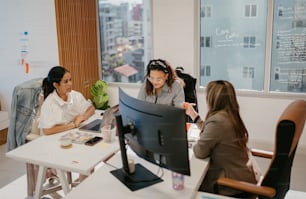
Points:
(56, 111)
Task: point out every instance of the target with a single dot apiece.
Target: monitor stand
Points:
(141, 178)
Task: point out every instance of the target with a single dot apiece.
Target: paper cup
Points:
(65, 142)
(131, 166)
(108, 133)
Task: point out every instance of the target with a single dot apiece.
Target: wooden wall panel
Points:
(76, 22)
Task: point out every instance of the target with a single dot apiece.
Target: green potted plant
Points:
(100, 96)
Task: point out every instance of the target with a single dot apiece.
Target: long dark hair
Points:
(221, 95)
(55, 75)
(160, 65)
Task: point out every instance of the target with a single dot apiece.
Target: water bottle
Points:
(177, 181)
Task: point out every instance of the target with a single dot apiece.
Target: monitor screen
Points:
(156, 133)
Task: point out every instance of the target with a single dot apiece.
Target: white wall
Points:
(38, 18)
(174, 30)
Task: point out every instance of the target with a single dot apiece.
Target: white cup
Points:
(65, 141)
(131, 166)
(108, 133)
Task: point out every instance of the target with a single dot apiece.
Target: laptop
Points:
(96, 125)
(93, 126)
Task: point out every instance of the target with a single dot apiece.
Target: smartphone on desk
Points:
(93, 141)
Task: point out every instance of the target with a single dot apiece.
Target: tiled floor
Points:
(13, 173)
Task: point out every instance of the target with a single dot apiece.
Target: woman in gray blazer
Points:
(223, 138)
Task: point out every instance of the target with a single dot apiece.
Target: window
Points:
(206, 42)
(125, 39)
(206, 11)
(250, 10)
(241, 52)
(248, 72)
(288, 61)
(249, 42)
(205, 70)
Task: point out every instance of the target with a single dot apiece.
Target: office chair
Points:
(276, 181)
(27, 100)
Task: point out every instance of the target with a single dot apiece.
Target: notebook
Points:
(96, 125)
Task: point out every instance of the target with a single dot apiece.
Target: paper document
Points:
(193, 133)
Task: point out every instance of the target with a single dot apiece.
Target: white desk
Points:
(204, 195)
(46, 152)
(103, 184)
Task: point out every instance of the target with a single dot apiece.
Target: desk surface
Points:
(204, 195)
(103, 184)
(46, 151)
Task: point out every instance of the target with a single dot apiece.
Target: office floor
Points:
(10, 170)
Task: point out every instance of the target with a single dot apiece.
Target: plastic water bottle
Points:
(177, 181)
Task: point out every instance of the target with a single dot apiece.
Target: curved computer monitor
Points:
(156, 133)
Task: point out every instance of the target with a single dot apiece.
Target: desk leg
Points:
(40, 180)
(63, 179)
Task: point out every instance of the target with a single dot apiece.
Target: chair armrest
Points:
(262, 153)
(247, 187)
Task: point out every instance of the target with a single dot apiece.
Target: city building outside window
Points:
(125, 39)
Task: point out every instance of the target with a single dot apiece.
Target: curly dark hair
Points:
(160, 65)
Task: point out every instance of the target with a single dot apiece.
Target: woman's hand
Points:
(78, 120)
(189, 110)
(81, 118)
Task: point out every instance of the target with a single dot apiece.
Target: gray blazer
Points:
(218, 141)
(173, 96)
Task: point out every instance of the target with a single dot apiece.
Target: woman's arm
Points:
(74, 124)
(189, 110)
(81, 118)
(178, 94)
(88, 113)
(208, 140)
(59, 128)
